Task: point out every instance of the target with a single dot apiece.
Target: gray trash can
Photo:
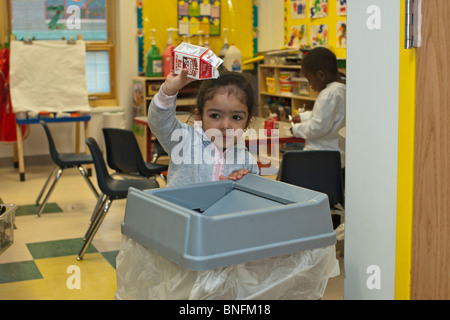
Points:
(209, 231)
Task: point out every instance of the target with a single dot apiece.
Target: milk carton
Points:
(200, 62)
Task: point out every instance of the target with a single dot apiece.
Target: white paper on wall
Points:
(48, 76)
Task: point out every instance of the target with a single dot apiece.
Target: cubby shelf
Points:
(289, 101)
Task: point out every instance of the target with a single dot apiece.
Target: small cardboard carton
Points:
(201, 62)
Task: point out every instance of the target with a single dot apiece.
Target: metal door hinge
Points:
(413, 23)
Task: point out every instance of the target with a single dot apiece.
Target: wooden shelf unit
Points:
(144, 89)
(291, 101)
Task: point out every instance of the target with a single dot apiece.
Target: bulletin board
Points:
(199, 15)
(237, 16)
(313, 23)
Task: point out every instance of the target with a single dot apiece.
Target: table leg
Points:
(148, 143)
(16, 156)
(20, 153)
(86, 135)
(77, 137)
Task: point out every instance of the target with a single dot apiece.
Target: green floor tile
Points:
(29, 210)
(111, 256)
(19, 271)
(58, 248)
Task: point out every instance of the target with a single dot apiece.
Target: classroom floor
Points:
(40, 263)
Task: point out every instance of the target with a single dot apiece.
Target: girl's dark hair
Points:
(320, 59)
(235, 83)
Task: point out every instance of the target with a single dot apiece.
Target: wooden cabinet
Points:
(283, 90)
(144, 89)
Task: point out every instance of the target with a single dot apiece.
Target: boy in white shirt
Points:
(320, 128)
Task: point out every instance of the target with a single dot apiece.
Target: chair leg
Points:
(85, 176)
(94, 227)
(99, 203)
(45, 185)
(52, 187)
(338, 213)
(99, 207)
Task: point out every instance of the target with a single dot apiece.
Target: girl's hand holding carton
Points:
(175, 82)
(190, 63)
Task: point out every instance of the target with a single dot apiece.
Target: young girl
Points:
(211, 150)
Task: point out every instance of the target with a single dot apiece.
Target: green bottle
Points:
(153, 60)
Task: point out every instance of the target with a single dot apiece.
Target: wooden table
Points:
(28, 121)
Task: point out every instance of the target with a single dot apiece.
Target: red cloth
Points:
(7, 116)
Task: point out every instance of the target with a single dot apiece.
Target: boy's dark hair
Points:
(235, 82)
(320, 59)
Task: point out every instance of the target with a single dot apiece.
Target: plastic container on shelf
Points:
(153, 88)
(233, 59)
(7, 226)
(286, 87)
(153, 59)
(270, 84)
(167, 54)
(287, 76)
(207, 41)
(225, 46)
(200, 38)
(301, 86)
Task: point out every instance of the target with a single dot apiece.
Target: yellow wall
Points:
(331, 20)
(236, 15)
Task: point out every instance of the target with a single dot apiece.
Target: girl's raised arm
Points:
(175, 82)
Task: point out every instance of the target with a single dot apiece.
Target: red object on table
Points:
(269, 125)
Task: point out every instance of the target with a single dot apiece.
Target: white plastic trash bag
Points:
(143, 274)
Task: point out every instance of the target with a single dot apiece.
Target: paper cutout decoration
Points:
(298, 37)
(319, 35)
(341, 33)
(341, 7)
(199, 15)
(298, 9)
(318, 8)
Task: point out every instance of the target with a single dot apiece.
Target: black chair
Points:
(111, 188)
(124, 156)
(62, 161)
(318, 170)
(158, 151)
